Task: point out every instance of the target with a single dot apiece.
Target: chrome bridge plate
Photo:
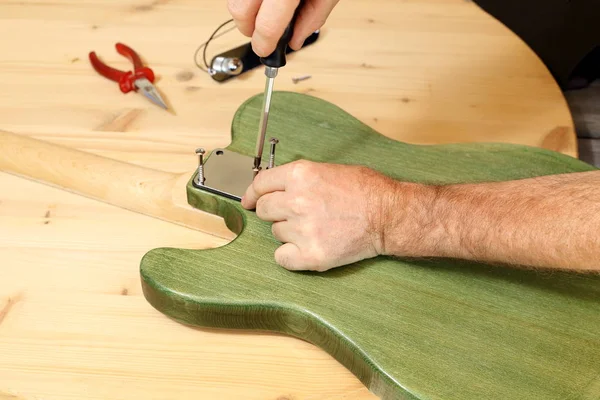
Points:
(227, 174)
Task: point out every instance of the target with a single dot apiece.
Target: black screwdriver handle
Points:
(277, 59)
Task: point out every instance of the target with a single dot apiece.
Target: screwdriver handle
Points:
(277, 59)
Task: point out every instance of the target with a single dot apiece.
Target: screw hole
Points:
(219, 152)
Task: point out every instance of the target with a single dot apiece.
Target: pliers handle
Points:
(127, 79)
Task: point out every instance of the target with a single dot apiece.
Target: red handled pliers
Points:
(141, 78)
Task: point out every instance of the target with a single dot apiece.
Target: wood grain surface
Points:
(73, 323)
(411, 329)
(421, 71)
(146, 191)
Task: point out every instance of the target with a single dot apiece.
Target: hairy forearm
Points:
(550, 222)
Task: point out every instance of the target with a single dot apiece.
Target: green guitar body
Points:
(408, 329)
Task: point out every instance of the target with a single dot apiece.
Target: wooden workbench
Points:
(73, 322)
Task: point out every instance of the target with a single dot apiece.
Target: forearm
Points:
(551, 222)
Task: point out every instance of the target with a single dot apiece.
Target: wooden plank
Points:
(78, 326)
(418, 329)
(419, 70)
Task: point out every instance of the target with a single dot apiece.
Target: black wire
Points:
(205, 45)
(213, 37)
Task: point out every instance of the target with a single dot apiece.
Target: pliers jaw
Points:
(147, 89)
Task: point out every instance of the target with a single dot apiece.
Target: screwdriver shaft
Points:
(271, 73)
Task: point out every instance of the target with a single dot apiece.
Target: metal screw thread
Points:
(273, 142)
(200, 178)
(271, 160)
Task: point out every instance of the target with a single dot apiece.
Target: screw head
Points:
(274, 140)
(200, 151)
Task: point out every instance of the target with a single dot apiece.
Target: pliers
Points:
(141, 78)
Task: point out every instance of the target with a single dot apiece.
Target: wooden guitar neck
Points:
(142, 190)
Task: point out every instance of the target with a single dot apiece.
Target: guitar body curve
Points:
(408, 329)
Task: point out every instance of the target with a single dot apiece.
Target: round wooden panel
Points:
(73, 322)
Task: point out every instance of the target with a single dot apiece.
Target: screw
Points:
(200, 178)
(301, 78)
(273, 142)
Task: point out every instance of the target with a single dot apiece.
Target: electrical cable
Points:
(204, 46)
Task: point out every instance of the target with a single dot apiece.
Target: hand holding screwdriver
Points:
(272, 63)
(266, 20)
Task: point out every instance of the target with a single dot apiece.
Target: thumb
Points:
(289, 257)
(312, 17)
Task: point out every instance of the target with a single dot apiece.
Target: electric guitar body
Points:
(408, 329)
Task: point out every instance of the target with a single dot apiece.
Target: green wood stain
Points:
(408, 329)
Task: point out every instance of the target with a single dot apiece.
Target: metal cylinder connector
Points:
(226, 65)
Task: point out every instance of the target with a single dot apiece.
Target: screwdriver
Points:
(272, 63)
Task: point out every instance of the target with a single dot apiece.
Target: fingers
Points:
(272, 19)
(272, 207)
(244, 14)
(312, 17)
(267, 181)
(285, 232)
(289, 256)
(266, 20)
(293, 254)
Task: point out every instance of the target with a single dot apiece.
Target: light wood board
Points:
(423, 71)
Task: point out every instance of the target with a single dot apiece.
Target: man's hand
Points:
(326, 215)
(331, 215)
(266, 20)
